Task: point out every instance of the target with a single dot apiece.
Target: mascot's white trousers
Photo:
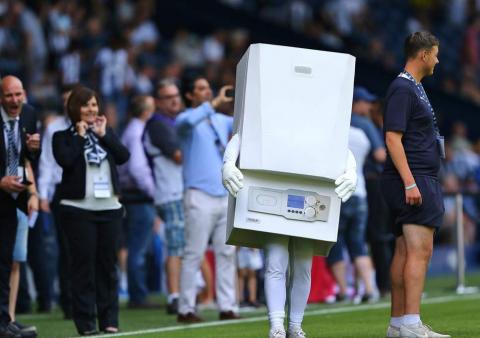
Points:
(287, 257)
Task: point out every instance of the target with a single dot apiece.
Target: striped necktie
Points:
(12, 153)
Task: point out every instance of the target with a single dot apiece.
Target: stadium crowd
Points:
(374, 29)
(144, 83)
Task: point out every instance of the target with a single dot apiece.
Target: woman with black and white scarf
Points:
(91, 213)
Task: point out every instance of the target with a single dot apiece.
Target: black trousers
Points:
(40, 260)
(379, 233)
(64, 275)
(8, 233)
(93, 242)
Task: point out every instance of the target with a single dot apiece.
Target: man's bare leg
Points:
(173, 274)
(364, 268)
(14, 283)
(173, 266)
(419, 244)
(339, 273)
(396, 275)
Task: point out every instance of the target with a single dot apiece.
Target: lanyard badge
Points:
(101, 187)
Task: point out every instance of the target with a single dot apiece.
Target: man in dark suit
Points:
(18, 142)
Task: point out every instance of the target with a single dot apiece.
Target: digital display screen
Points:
(295, 201)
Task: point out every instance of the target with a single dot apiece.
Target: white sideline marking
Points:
(355, 308)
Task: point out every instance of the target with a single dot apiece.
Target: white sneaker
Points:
(277, 333)
(393, 332)
(419, 330)
(432, 334)
(296, 334)
(413, 331)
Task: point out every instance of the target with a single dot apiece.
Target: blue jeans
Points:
(139, 220)
(351, 230)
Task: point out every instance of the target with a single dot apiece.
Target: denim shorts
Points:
(351, 230)
(20, 248)
(173, 215)
(248, 258)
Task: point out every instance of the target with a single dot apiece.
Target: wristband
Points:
(410, 187)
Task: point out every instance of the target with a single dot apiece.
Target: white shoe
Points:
(413, 331)
(432, 334)
(298, 333)
(277, 333)
(393, 332)
(419, 330)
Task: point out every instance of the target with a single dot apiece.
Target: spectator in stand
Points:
(471, 47)
(70, 65)
(60, 24)
(213, 48)
(459, 139)
(144, 33)
(94, 38)
(35, 40)
(138, 190)
(187, 49)
(13, 43)
(116, 75)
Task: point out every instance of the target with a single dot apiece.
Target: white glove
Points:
(232, 178)
(347, 182)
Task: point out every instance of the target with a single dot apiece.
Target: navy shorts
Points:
(429, 214)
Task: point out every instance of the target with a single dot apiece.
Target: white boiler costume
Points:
(291, 124)
(281, 250)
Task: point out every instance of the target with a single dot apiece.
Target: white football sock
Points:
(411, 319)
(172, 296)
(396, 321)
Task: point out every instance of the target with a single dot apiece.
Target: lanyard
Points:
(423, 96)
(218, 140)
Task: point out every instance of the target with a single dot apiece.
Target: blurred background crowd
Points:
(123, 48)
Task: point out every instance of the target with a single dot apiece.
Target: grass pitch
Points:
(442, 309)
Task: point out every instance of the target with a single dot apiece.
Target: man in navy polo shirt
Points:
(410, 183)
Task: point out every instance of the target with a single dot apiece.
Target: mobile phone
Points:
(25, 182)
(230, 93)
